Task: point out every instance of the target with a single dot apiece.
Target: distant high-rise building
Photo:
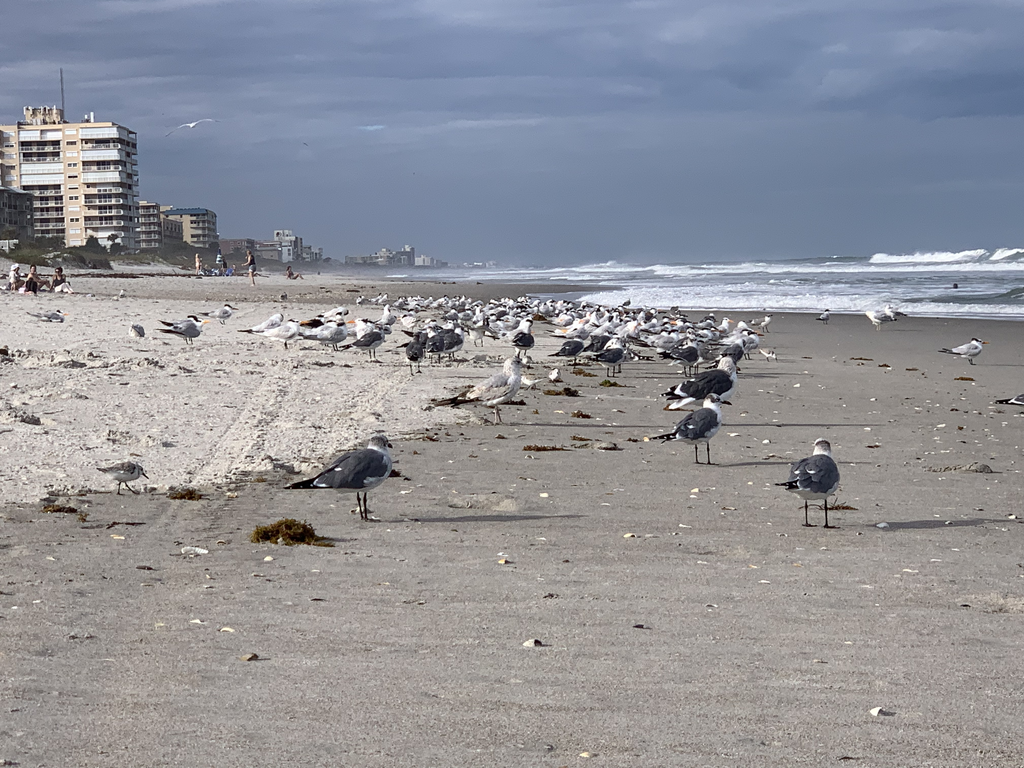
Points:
(84, 176)
(199, 225)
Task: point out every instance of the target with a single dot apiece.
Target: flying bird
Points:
(814, 478)
(191, 125)
(358, 471)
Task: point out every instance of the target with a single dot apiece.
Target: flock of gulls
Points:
(708, 351)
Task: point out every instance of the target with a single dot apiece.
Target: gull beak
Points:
(984, 342)
(725, 402)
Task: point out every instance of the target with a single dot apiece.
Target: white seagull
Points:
(968, 351)
(497, 390)
(191, 125)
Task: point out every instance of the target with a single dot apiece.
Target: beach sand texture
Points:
(685, 615)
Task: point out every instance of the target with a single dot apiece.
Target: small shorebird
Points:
(824, 316)
(358, 471)
(814, 478)
(137, 331)
(124, 472)
(49, 317)
(968, 351)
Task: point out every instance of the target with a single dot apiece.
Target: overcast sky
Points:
(534, 131)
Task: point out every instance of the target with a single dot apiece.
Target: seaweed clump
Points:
(563, 392)
(609, 383)
(185, 494)
(289, 531)
(59, 509)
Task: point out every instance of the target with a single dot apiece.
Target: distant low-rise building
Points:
(156, 229)
(199, 225)
(385, 257)
(16, 213)
(237, 245)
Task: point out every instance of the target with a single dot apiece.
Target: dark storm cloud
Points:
(555, 130)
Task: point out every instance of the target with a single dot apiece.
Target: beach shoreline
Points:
(684, 614)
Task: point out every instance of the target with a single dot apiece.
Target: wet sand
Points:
(685, 614)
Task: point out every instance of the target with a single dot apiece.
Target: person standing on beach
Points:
(250, 263)
(220, 262)
(199, 264)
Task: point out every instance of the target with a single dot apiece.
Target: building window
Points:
(73, 177)
(74, 231)
(72, 165)
(72, 197)
(74, 221)
(71, 143)
(70, 154)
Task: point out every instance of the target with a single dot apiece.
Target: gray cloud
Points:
(570, 131)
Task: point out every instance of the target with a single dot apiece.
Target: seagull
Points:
(1018, 400)
(329, 334)
(877, 318)
(124, 472)
(570, 348)
(369, 342)
(968, 351)
(360, 471)
(188, 329)
(720, 381)
(414, 353)
(497, 390)
(222, 314)
(521, 338)
(271, 322)
(698, 427)
(49, 317)
(824, 316)
(284, 332)
(137, 331)
(191, 125)
(611, 356)
(814, 478)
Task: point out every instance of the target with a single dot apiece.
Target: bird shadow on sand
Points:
(972, 522)
(818, 424)
(489, 518)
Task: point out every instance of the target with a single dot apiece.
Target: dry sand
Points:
(686, 616)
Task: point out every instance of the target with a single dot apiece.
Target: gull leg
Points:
(807, 523)
(826, 515)
(708, 446)
(497, 415)
(696, 456)
(118, 487)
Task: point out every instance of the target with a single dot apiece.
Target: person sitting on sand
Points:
(14, 279)
(60, 284)
(292, 275)
(33, 280)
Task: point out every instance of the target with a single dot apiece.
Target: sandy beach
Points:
(685, 616)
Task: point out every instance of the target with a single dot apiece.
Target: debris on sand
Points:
(975, 466)
(538, 448)
(609, 383)
(59, 509)
(580, 415)
(289, 532)
(563, 392)
(185, 493)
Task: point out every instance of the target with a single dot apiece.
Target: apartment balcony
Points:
(102, 154)
(104, 177)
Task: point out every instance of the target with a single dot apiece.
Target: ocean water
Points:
(990, 283)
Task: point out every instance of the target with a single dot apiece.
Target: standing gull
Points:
(698, 427)
(721, 381)
(496, 391)
(188, 329)
(124, 472)
(814, 478)
(358, 471)
(968, 351)
(824, 316)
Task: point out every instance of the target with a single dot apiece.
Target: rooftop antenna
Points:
(62, 91)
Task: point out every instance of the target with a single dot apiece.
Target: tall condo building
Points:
(84, 176)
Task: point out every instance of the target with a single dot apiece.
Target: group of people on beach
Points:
(33, 282)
